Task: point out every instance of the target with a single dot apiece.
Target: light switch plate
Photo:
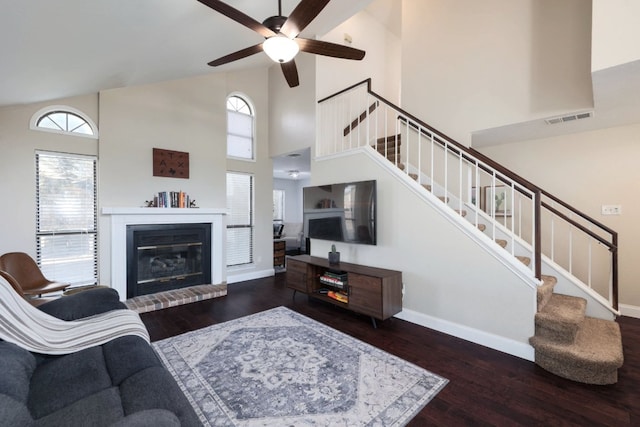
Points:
(611, 210)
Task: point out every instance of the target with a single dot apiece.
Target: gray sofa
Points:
(121, 383)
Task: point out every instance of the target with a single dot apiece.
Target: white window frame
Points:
(35, 119)
(252, 114)
(58, 268)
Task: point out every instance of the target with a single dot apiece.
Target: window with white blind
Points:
(66, 220)
(240, 219)
(278, 205)
(239, 128)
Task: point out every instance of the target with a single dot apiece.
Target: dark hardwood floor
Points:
(486, 388)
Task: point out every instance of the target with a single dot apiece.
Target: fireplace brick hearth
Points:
(160, 300)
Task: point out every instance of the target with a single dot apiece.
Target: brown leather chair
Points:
(27, 274)
(16, 287)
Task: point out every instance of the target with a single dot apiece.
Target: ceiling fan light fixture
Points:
(280, 48)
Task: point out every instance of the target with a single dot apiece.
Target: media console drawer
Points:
(372, 291)
(297, 274)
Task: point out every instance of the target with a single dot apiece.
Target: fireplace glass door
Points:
(167, 256)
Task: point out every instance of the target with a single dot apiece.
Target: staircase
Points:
(510, 212)
(566, 342)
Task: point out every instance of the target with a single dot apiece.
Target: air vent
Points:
(569, 118)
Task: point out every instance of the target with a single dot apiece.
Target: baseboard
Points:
(505, 345)
(241, 276)
(629, 310)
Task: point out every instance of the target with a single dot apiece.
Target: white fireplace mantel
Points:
(122, 217)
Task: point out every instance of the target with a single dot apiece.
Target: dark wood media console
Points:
(372, 291)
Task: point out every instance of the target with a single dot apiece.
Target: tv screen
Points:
(344, 212)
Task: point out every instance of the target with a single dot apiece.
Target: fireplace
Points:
(162, 257)
(122, 218)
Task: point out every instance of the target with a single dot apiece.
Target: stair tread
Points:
(524, 259)
(562, 312)
(387, 140)
(501, 242)
(598, 343)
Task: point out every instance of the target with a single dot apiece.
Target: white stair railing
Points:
(511, 210)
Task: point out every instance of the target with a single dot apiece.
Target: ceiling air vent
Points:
(569, 118)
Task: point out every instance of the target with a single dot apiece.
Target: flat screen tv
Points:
(344, 212)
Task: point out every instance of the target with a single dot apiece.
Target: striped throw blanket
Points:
(36, 331)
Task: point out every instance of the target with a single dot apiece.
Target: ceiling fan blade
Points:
(320, 47)
(239, 17)
(290, 72)
(237, 55)
(302, 15)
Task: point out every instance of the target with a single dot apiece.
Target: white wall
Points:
(470, 65)
(292, 110)
(18, 145)
(381, 63)
(616, 31)
(184, 115)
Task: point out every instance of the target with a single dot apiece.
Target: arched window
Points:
(240, 125)
(65, 120)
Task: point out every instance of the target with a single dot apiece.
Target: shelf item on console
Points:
(337, 280)
(338, 296)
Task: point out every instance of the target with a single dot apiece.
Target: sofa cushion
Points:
(136, 397)
(150, 417)
(17, 367)
(84, 304)
(14, 413)
(128, 355)
(50, 390)
(97, 410)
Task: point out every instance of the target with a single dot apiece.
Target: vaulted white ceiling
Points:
(61, 48)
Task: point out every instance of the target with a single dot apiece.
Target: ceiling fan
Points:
(282, 43)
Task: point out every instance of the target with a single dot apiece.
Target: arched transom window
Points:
(66, 120)
(240, 125)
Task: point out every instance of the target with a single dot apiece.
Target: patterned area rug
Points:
(279, 367)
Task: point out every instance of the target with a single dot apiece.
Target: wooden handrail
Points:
(508, 175)
(577, 212)
(367, 81)
(491, 166)
(579, 226)
(472, 156)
